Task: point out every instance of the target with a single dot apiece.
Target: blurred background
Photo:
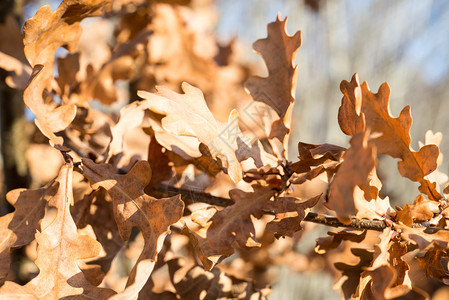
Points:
(405, 43)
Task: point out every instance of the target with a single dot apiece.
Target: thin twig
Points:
(192, 196)
(189, 196)
(378, 225)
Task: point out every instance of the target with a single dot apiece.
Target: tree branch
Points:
(192, 196)
(377, 225)
(188, 196)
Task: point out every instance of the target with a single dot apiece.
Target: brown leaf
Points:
(59, 248)
(336, 237)
(175, 45)
(277, 90)
(256, 152)
(198, 283)
(68, 67)
(131, 116)
(100, 84)
(387, 276)
(394, 138)
(181, 148)
(422, 209)
(48, 119)
(350, 117)
(159, 161)
(90, 133)
(358, 162)
(435, 139)
(432, 261)
(316, 155)
(207, 264)
(374, 209)
(47, 31)
(232, 224)
(43, 170)
(379, 276)
(105, 229)
(133, 208)
(18, 228)
(423, 237)
(350, 277)
(43, 35)
(289, 212)
(188, 115)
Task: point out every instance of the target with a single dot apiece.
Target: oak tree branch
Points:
(192, 196)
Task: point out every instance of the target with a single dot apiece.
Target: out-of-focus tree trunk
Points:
(11, 127)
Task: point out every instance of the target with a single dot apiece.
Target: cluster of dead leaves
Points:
(133, 191)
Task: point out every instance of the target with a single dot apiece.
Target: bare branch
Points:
(377, 225)
(192, 196)
(189, 196)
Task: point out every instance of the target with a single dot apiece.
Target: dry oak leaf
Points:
(101, 219)
(176, 45)
(435, 139)
(335, 238)
(182, 148)
(394, 138)
(434, 245)
(46, 31)
(277, 90)
(232, 224)
(374, 209)
(289, 212)
(359, 161)
(188, 115)
(422, 209)
(90, 133)
(350, 274)
(423, 237)
(160, 161)
(387, 276)
(137, 114)
(59, 248)
(133, 208)
(100, 84)
(131, 116)
(315, 156)
(18, 228)
(68, 68)
(198, 283)
(43, 35)
(48, 119)
(432, 262)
